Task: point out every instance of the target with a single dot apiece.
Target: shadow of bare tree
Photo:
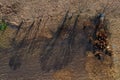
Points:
(15, 62)
(59, 53)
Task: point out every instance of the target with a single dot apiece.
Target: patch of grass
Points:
(5, 38)
(64, 74)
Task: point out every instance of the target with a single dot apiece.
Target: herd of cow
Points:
(99, 38)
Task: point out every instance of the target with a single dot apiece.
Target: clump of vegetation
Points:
(3, 25)
(5, 33)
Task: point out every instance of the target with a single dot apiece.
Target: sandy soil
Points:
(83, 66)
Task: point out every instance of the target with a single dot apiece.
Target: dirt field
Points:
(78, 64)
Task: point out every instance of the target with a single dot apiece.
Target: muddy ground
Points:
(78, 64)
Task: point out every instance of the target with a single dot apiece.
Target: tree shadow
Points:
(15, 62)
(47, 53)
(60, 53)
(19, 48)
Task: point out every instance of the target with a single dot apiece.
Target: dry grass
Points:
(99, 70)
(63, 74)
(5, 38)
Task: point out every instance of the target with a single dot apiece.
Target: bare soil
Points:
(81, 65)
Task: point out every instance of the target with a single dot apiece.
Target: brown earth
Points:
(83, 66)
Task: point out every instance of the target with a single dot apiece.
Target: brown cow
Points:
(99, 55)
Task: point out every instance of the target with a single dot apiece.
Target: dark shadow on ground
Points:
(62, 51)
(15, 62)
(20, 48)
